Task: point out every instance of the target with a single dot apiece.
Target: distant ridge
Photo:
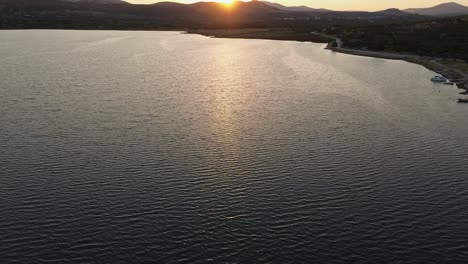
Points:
(295, 8)
(394, 12)
(447, 9)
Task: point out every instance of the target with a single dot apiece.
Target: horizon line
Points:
(308, 6)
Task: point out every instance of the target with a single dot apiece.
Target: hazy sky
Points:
(342, 4)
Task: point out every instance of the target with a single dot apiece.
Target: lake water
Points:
(162, 147)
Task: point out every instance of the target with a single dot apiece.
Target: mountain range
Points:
(447, 9)
(255, 9)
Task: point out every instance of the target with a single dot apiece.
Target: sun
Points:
(226, 2)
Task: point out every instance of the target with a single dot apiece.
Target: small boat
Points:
(439, 79)
(449, 83)
(463, 100)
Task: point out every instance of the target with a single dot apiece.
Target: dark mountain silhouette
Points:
(447, 9)
(394, 12)
(95, 14)
(171, 8)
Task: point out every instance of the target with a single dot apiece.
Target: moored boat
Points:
(463, 100)
(439, 79)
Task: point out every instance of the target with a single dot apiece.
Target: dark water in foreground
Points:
(144, 147)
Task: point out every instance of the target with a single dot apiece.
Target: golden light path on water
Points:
(164, 147)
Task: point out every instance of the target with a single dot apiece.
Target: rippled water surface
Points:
(162, 147)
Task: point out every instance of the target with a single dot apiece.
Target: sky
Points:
(370, 5)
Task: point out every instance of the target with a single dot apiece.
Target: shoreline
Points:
(457, 76)
(262, 33)
(453, 75)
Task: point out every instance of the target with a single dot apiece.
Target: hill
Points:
(445, 38)
(447, 9)
(394, 12)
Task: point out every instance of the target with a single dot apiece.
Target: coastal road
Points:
(378, 54)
